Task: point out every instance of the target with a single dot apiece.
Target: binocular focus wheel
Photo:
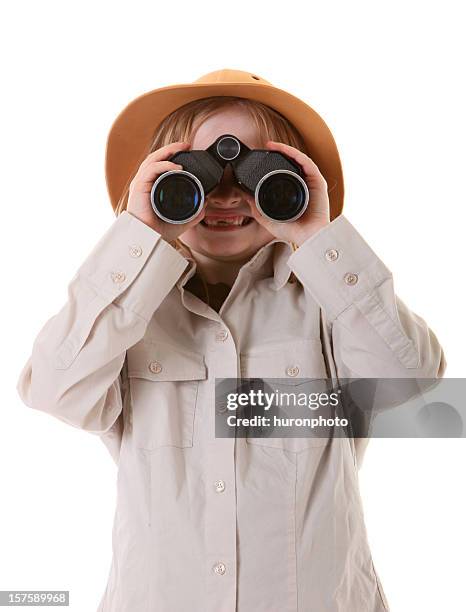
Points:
(228, 148)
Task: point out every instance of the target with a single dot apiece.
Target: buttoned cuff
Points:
(337, 266)
(115, 265)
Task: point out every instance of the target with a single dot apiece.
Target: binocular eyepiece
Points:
(280, 192)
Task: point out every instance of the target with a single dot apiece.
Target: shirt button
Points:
(118, 277)
(350, 278)
(220, 486)
(219, 568)
(135, 251)
(221, 336)
(292, 371)
(222, 407)
(155, 367)
(331, 254)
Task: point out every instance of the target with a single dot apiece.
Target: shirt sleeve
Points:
(374, 334)
(74, 370)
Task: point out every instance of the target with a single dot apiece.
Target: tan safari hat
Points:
(132, 131)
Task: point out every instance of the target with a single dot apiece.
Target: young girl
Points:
(158, 311)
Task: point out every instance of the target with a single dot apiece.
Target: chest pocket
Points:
(164, 382)
(285, 366)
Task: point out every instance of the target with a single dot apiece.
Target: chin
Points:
(224, 246)
(222, 250)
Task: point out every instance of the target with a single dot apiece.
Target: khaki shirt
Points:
(206, 524)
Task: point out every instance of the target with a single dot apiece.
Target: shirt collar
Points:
(270, 260)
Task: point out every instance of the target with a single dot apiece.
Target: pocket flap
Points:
(164, 362)
(289, 362)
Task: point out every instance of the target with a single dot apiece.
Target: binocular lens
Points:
(177, 197)
(281, 197)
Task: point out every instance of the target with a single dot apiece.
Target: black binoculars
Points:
(280, 192)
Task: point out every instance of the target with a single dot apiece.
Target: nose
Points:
(227, 193)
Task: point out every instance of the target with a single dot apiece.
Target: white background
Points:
(389, 82)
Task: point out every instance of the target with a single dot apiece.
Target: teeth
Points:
(230, 221)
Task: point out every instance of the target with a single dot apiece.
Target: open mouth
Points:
(230, 223)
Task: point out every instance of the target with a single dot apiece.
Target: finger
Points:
(166, 151)
(309, 167)
(150, 172)
(157, 167)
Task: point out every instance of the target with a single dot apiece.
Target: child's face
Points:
(235, 242)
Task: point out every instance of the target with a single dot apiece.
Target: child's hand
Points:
(316, 215)
(139, 204)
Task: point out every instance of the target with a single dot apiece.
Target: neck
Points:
(218, 270)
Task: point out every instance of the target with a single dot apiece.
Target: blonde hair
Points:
(183, 122)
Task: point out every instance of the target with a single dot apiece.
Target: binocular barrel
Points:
(280, 192)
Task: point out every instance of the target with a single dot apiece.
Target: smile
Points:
(226, 223)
